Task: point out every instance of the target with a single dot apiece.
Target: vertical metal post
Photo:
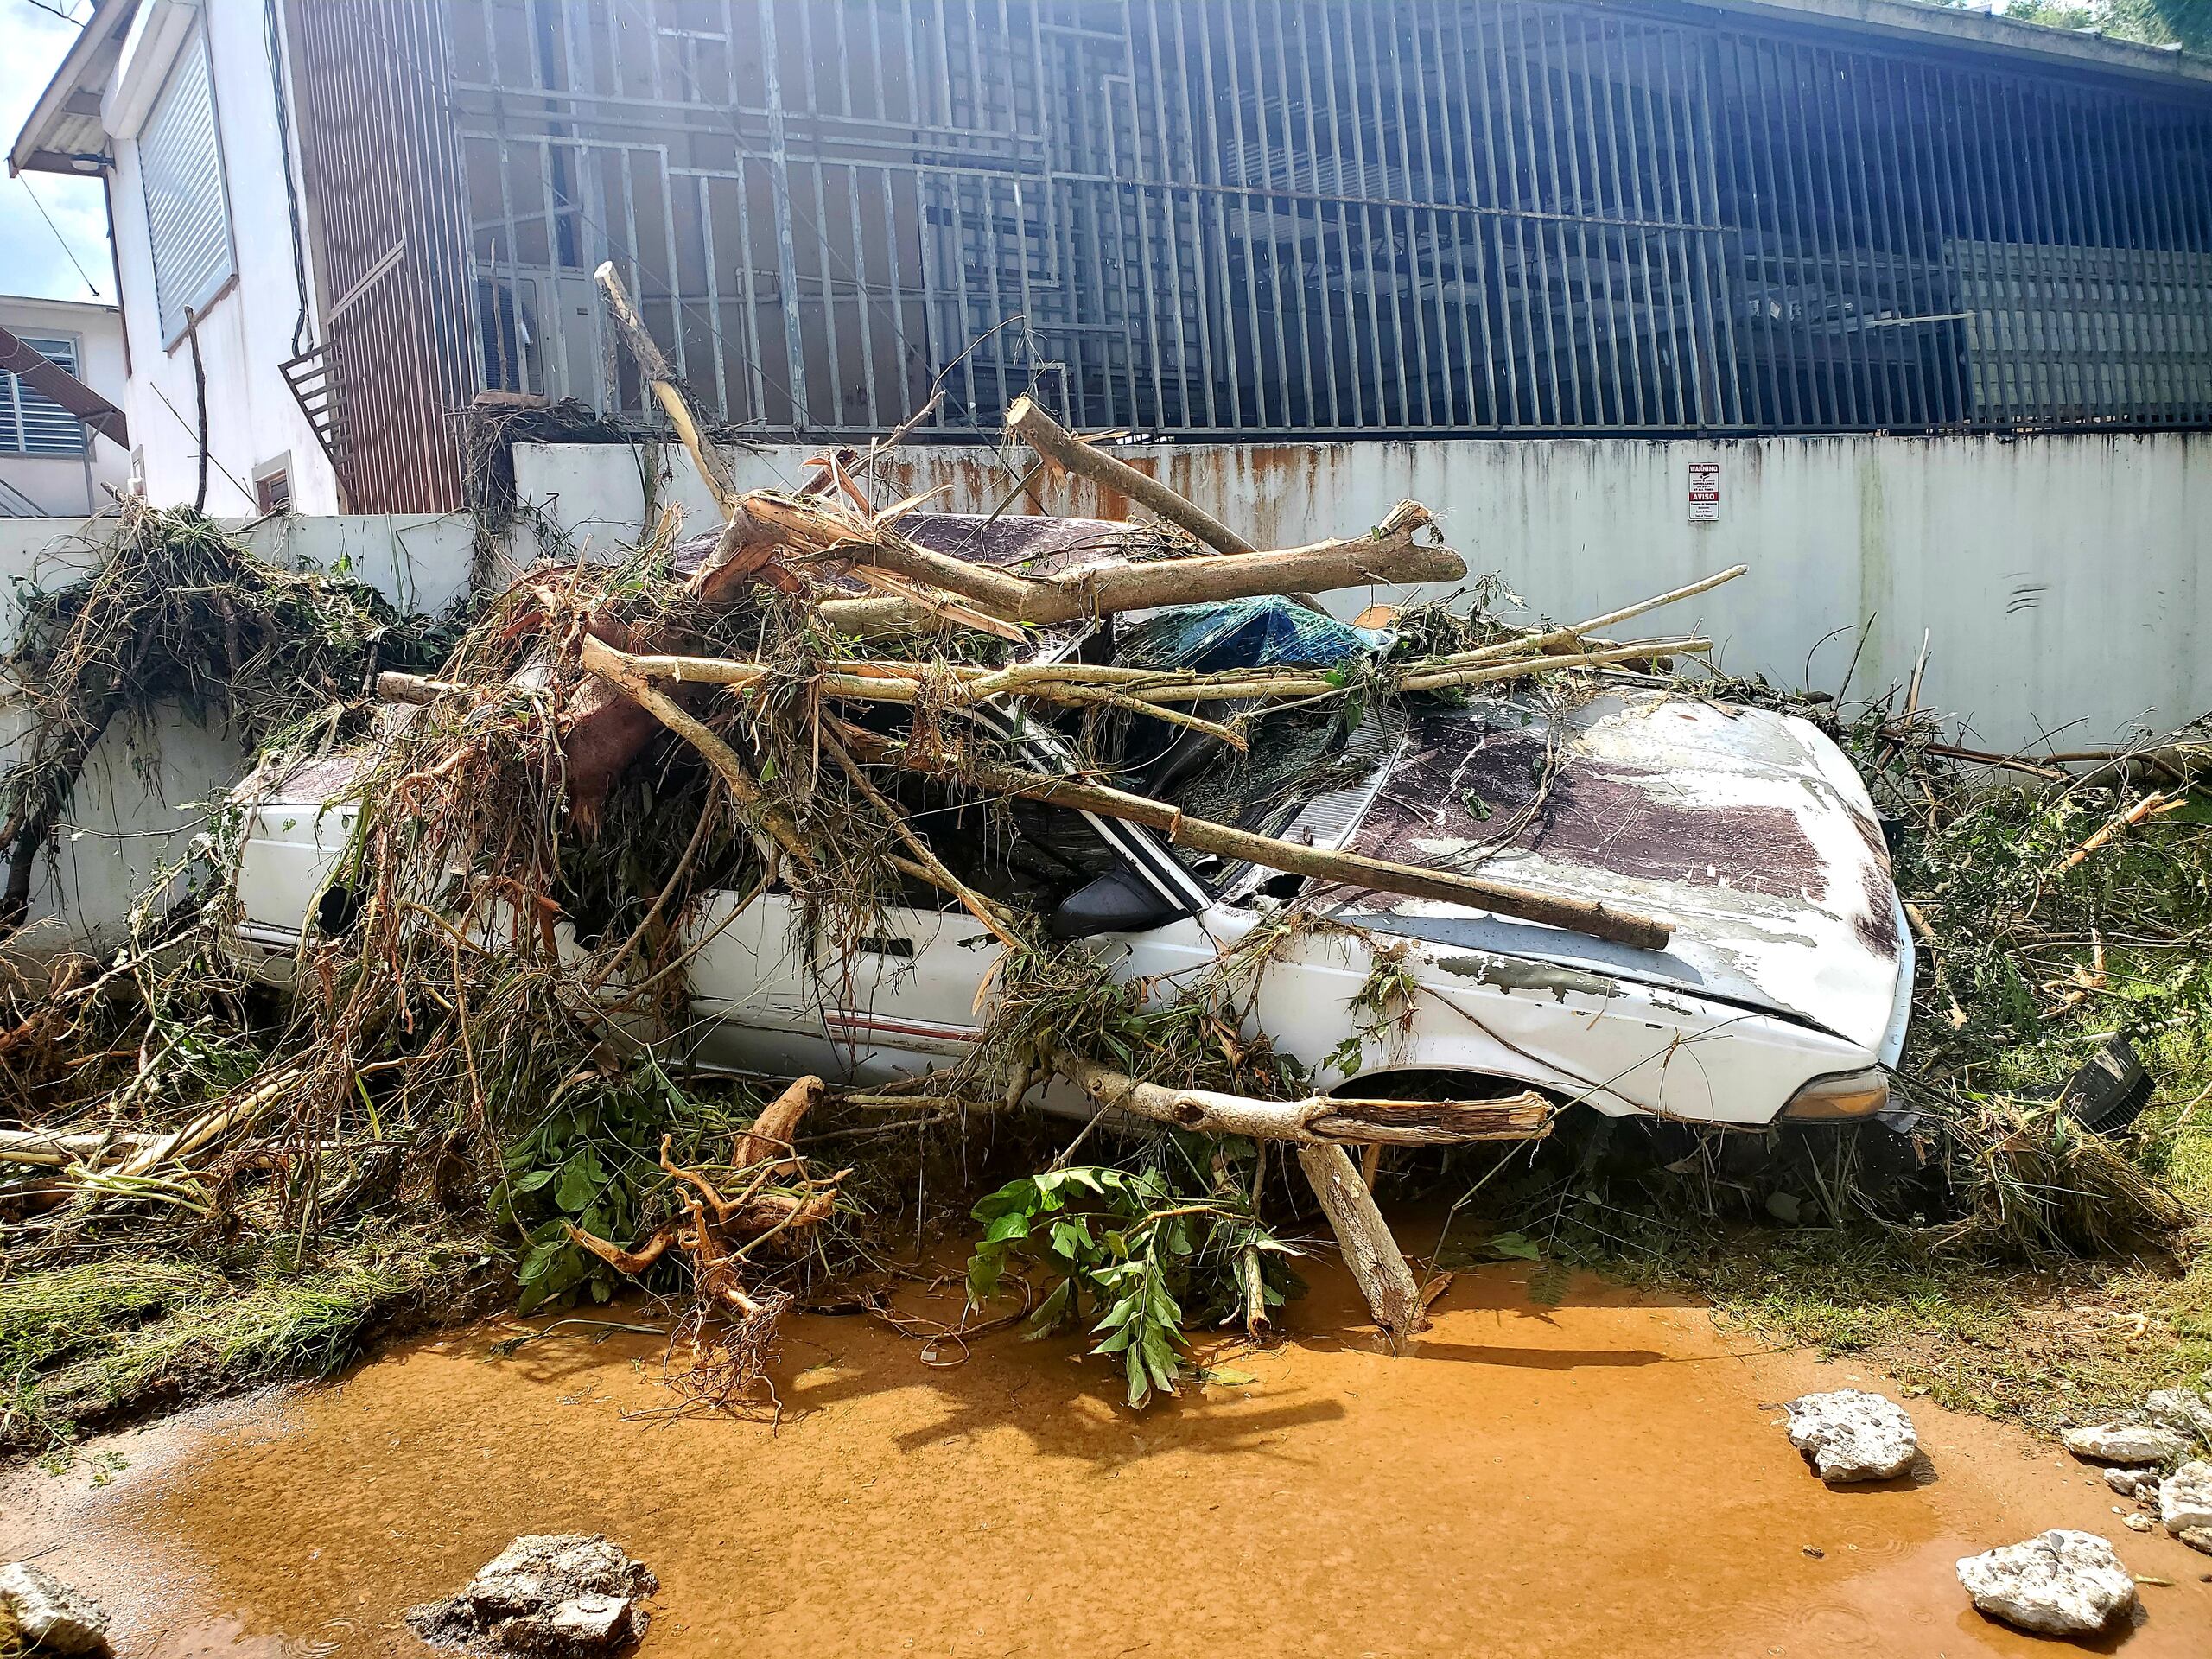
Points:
(779, 184)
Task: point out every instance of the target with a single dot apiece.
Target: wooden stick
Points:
(394, 687)
(1377, 1264)
(1351, 869)
(1069, 453)
(655, 370)
(1572, 634)
(1318, 1120)
(2150, 806)
(52, 1149)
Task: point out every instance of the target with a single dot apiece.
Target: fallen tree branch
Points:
(653, 368)
(1350, 869)
(617, 668)
(1318, 1120)
(1387, 555)
(1027, 424)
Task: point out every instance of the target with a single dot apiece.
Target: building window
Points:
(272, 485)
(32, 424)
(181, 166)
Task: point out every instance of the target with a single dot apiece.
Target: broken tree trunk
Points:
(1352, 869)
(1318, 1120)
(1388, 553)
(1377, 1264)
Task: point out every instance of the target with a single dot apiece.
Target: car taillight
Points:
(1841, 1098)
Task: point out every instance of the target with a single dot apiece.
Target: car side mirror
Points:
(1116, 902)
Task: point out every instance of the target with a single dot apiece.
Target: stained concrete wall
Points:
(146, 793)
(2062, 581)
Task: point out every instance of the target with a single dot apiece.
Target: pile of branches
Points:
(485, 1014)
(178, 615)
(614, 762)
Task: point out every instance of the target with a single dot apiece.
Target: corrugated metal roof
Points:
(65, 124)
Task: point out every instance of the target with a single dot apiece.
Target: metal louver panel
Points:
(32, 424)
(181, 169)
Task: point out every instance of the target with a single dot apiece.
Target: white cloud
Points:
(33, 43)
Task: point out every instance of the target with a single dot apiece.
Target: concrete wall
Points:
(247, 331)
(2058, 578)
(145, 794)
(65, 484)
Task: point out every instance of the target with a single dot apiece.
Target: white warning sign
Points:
(1704, 492)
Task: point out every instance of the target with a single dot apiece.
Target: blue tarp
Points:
(1268, 632)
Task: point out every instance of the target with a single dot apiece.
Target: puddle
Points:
(1597, 1478)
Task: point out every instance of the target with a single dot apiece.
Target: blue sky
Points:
(32, 43)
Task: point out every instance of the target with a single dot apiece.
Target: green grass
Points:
(107, 1340)
(2049, 1350)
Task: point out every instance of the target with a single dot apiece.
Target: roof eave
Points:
(35, 148)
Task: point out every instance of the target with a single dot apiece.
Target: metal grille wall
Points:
(1264, 217)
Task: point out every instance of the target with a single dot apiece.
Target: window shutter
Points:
(32, 424)
(187, 220)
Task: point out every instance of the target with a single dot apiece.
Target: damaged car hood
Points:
(1747, 829)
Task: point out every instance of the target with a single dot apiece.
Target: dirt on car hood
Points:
(1748, 829)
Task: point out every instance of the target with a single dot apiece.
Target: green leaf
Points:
(1052, 1311)
(983, 1278)
(539, 1261)
(1014, 1195)
(535, 1178)
(1012, 1225)
(1548, 1284)
(580, 1179)
(1140, 1383)
(1516, 1247)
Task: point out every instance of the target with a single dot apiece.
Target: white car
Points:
(1781, 993)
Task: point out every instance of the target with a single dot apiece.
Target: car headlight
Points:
(1842, 1097)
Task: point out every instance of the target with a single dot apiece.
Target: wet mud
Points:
(1601, 1477)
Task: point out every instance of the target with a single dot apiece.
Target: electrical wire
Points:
(273, 38)
(67, 252)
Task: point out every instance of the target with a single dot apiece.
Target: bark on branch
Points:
(1029, 424)
(1376, 1262)
(1389, 554)
(1318, 1120)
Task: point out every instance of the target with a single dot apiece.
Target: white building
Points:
(51, 464)
(178, 103)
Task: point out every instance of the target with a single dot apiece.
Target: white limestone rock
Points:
(1852, 1435)
(2060, 1584)
(2126, 1442)
(558, 1594)
(2185, 1498)
(2128, 1482)
(49, 1614)
(2182, 1410)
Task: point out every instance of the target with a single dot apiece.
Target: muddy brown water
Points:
(1601, 1477)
